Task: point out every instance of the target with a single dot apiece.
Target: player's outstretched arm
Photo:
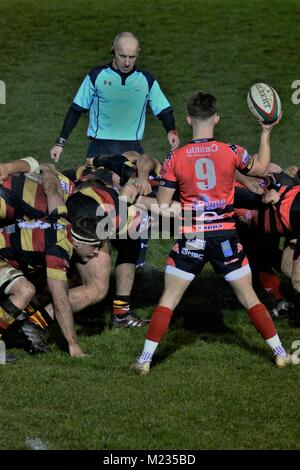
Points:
(262, 162)
(165, 197)
(71, 119)
(151, 204)
(64, 315)
(52, 188)
(23, 165)
(249, 182)
(144, 165)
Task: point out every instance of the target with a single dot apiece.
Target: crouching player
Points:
(204, 173)
(45, 245)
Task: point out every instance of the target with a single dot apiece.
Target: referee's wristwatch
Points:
(60, 141)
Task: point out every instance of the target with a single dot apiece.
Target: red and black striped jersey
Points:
(280, 219)
(38, 244)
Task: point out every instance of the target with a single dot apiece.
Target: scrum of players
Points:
(50, 231)
(58, 229)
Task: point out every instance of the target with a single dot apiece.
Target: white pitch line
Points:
(35, 444)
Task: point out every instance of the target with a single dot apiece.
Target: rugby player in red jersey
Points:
(203, 171)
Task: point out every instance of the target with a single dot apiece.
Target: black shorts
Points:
(111, 147)
(226, 255)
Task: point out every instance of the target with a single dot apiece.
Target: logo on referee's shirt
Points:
(107, 82)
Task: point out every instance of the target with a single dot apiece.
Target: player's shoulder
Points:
(174, 154)
(234, 148)
(95, 72)
(146, 73)
(240, 154)
(149, 77)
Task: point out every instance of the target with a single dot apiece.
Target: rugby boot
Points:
(142, 368)
(283, 361)
(283, 308)
(33, 336)
(129, 320)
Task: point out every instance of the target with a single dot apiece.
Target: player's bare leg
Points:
(174, 289)
(21, 292)
(259, 316)
(14, 317)
(125, 274)
(122, 315)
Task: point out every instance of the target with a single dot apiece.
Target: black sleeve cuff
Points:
(168, 184)
(167, 118)
(78, 108)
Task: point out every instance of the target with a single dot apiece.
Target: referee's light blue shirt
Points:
(118, 102)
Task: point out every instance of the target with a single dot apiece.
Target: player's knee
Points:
(25, 289)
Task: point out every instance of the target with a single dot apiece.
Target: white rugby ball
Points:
(264, 103)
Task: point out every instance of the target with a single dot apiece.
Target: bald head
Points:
(125, 49)
(126, 37)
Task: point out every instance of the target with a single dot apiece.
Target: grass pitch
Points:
(213, 384)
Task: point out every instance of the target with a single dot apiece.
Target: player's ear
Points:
(112, 51)
(217, 118)
(189, 120)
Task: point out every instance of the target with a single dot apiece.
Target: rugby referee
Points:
(117, 95)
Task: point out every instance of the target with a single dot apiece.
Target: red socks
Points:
(271, 283)
(159, 323)
(161, 317)
(262, 321)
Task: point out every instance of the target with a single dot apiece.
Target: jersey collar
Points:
(123, 75)
(200, 141)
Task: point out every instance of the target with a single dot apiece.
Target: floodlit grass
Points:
(213, 384)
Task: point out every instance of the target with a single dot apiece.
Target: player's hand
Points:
(271, 197)
(253, 185)
(142, 185)
(173, 139)
(4, 172)
(75, 351)
(274, 168)
(56, 152)
(269, 127)
(129, 191)
(292, 171)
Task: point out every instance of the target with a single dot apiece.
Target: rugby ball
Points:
(264, 103)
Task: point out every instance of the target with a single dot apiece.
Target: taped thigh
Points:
(8, 276)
